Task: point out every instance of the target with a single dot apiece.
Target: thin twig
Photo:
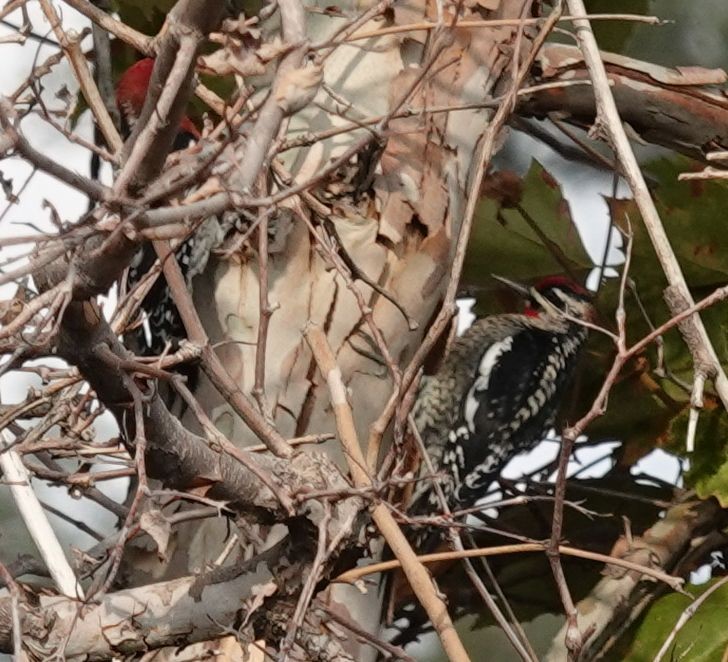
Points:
(211, 363)
(141, 42)
(609, 123)
(395, 652)
(513, 631)
(85, 79)
(351, 576)
(309, 586)
(264, 314)
(145, 140)
(415, 572)
(498, 23)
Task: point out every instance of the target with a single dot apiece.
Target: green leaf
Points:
(708, 472)
(703, 638)
(614, 35)
(693, 216)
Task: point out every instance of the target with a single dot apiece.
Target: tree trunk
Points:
(401, 234)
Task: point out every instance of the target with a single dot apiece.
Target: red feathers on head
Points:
(131, 91)
(562, 282)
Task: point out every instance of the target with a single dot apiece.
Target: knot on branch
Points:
(188, 351)
(677, 302)
(600, 130)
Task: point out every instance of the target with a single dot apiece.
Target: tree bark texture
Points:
(403, 237)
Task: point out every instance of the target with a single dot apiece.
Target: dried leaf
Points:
(233, 60)
(10, 309)
(503, 186)
(297, 88)
(241, 26)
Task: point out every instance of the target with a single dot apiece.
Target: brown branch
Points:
(271, 115)
(685, 110)
(169, 91)
(395, 652)
(106, 255)
(174, 455)
(211, 364)
(216, 438)
(355, 574)
(495, 23)
(141, 42)
(415, 572)
(14, 139)
(75, 56)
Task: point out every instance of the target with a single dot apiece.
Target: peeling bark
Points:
(402, 236)
(684, 109)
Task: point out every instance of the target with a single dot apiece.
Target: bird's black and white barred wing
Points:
(510, 404)
(163, 323)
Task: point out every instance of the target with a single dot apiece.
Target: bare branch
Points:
(609, 122)
(414, 570)
(684, 108)
(36, 521)
(90, 91)
(141, 42)
(174, 455)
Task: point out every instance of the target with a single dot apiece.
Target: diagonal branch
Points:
(609, 124)
(35, 519)
(105, 256)
(211, 364)
(413, 569)
(176, 456)
(78, 62)
(169, 92)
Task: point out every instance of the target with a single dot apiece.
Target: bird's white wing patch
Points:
(487, 362)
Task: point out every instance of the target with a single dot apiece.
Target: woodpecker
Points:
(162, 324)
(499, 388)
(131, 92)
